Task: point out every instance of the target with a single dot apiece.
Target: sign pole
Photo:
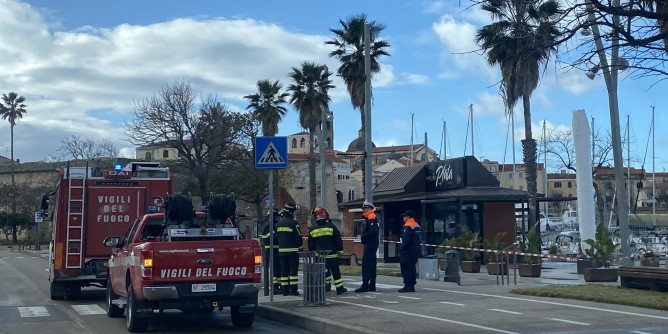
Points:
(271, 267)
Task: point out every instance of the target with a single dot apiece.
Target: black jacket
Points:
(411, 237)
(325, 236)
(265, 237)
(289, 236)
(370, 230)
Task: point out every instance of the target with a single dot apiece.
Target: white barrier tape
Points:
(547, 256)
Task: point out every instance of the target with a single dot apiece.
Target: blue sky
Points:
(83, 64)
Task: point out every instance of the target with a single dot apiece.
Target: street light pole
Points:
(610, 73)
(368, 149)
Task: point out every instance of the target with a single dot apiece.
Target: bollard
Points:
(314, 277)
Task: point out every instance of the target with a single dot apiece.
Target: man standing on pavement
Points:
(276, 266)
(369, 238)
(411, 235)
(289, 244)
(324, 236)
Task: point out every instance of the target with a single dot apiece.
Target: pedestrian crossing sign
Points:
(271, 152)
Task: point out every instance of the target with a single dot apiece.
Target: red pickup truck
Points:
(195, 266)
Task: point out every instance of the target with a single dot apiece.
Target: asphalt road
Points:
(25, 307)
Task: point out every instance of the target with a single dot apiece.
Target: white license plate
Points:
(204, 287)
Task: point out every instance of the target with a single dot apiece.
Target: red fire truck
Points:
(90, 204)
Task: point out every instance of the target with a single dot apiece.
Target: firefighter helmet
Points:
(320, 213)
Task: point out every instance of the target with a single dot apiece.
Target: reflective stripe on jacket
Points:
(325, 236)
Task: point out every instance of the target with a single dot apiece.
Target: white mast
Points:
(653, 174)
(545, 170)
(628, 159)
(512, 126)
(471, 115)
(411, 150)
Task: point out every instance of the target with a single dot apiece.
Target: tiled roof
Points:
(398, 178)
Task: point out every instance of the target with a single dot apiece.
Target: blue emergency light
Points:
(152, 209)
(118, 167)
(203, 208)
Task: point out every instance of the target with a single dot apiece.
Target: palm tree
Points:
(521, 41)
(267, 105)
(267, 108)
(349, 44)
(12, 108)
(310, 98)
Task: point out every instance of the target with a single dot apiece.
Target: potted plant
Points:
(649, 259)
(600, 251)
(529, 244)
(469, 258)
(494, 254)
(553, 252)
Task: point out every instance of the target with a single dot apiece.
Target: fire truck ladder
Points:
(76, 180)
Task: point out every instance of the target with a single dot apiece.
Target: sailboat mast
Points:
(545, 170)
(512, 127)
(653, 174)
(444, 148)
(628, 159)
(412, 127)
(472, 143)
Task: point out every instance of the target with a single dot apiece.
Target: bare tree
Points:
(639, 27)
(87, 148)
(206, 134)
(561, 149)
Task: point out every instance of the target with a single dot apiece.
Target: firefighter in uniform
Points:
(369, 238)
(411, 235)
(289, 244)
(325, 236)
(276, 266)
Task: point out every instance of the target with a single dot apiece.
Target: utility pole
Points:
(323, 147)
(368, 149)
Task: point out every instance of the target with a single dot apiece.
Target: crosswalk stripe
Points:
(33, 311)
(88, 309)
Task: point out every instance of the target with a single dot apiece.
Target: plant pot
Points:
(600, 274)
(586, 263)
(497, 268)
(470, 266)
(529, 270)
(651, 261)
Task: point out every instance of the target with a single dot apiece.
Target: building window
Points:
(351, 194)
(519, 175)
(302, 143)
(557, 184)
(165, 154)
(510, 176)
(147, 156)
(294, 143)
(570, 184)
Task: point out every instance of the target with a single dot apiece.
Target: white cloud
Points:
(460, 51)
(86, 80)
(414, 78)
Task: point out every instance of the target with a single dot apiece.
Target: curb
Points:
(319, 325)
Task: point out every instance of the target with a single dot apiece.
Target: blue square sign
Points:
(271, 152)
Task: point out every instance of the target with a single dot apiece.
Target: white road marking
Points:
(409, 297)
(505, 311)
(19, 257)
(47, 269)
(391, 301)
(450, 303)
(639, 332)
(427, 317)
(570, 321)
(88, 309)
(553, 303)
(33, 311)
(375, 293)
(35, 257)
